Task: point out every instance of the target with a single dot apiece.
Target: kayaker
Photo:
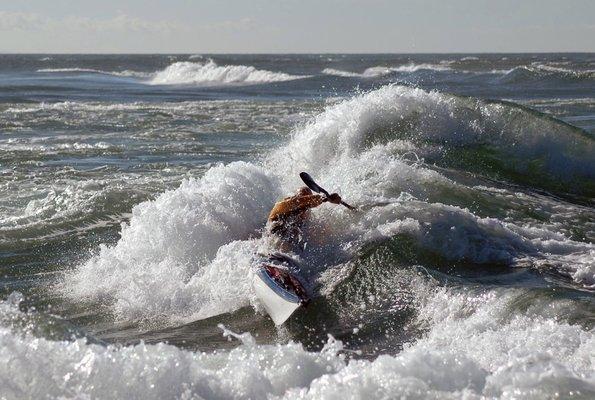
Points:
(288, 216)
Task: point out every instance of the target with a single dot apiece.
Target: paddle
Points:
(315, 188)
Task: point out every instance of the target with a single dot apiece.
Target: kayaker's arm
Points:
(295, 203)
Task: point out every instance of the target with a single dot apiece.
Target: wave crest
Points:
(125, 73)
(197, 73)
(192, 73)
(537, 72)
(373, 72)
(187, 254)
(494, 138)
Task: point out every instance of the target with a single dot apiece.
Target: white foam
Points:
(193, 73)
(443, 66)
(457, 234)
(476, 346)
(210, 115)
(348, 128)
(125, 73)
(372, 167)
(209, 73)
(338, 72)
(172, 260)
(186, 255)
(373, 72)
(40, 147)
(37, 212)
(537, 70)
(70, 70)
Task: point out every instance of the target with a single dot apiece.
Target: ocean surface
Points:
(134, 190)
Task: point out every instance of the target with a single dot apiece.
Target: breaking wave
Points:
(374, 72)
(490, 137)
(176, 246)
(474, 347)
(192, 73)
(187, 254)
(209, 73)
(125, 73)
(545, 72)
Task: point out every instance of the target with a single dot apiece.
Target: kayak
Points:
(278, 287)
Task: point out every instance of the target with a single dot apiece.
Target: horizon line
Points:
(299, 53)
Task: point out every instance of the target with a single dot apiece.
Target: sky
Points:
(296, 26)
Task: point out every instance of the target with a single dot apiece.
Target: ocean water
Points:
(134, 190)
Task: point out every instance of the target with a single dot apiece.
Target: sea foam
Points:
(125, 73)
(541, 71)
(476, 346)
(209, 73)
(186, 255)
(176, 247)
(373, 72)
(206, 73)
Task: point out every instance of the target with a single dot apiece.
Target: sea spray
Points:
(187, 254)
(476, 345)
(444, 128)
(157, 267)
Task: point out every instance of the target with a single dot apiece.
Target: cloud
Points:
(18, 21)
(11, 21)
(242, 24)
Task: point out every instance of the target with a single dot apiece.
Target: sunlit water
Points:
(134, 190)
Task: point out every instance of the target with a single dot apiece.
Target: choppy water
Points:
(134, 190)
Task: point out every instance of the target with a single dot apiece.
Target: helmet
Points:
(304, 191)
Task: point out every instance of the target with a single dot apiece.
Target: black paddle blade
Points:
(311, 184)
(315, 188)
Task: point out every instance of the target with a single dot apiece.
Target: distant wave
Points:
(193, 73)
(590, 74)
(442, 66)
(345, 74)
(210, 73)
(541, 71)
(125, 73)
(377, 71)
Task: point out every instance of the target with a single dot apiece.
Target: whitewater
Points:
(192, 73)
(131, 218)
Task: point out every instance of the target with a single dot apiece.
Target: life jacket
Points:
(287, 217)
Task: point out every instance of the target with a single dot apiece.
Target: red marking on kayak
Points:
(289, 282)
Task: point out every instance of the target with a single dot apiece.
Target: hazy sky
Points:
(269, 26)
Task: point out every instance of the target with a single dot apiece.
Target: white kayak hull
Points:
(279, 302)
